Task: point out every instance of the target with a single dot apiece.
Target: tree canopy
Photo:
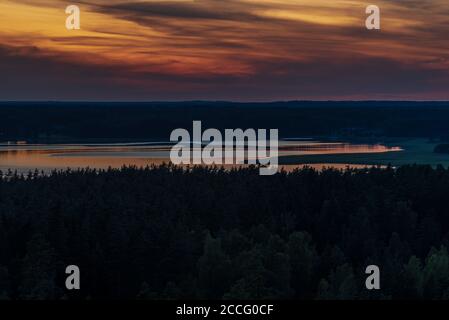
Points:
(167, 233)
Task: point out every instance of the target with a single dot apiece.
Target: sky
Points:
(234, 50)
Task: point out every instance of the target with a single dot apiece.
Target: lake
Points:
(46, 157)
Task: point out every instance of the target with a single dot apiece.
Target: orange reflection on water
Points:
(48, 157)
(317, 148)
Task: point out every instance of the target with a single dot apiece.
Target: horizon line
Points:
(221, 101)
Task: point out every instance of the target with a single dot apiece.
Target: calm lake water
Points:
(26, 157)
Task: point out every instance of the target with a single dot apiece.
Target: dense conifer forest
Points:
(168, 233)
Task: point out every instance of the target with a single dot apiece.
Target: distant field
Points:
(415, 151)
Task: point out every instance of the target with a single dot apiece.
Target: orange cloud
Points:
(173, 40)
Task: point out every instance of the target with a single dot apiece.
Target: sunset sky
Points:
(240, 50)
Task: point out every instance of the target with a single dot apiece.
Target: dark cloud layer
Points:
(47, 78)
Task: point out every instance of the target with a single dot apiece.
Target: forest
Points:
(441, 148)
(55, 122)
(208, 233)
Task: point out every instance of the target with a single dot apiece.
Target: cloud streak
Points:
(227, 50)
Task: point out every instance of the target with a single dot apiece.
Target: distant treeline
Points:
(167, 233)
(61, 122)
(442, 148)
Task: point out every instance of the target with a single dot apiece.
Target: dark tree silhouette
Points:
(170, 233)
